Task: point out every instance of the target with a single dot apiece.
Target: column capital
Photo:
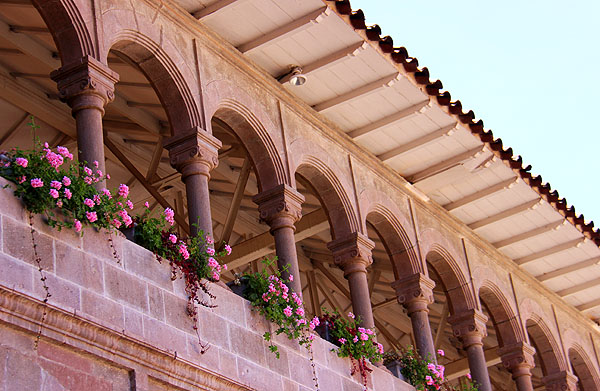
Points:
(352, 253)
(560, 381)
(518, 358)
(85, 84)
(193, 152)
(280, 206)
(414, 292)
(469, 327)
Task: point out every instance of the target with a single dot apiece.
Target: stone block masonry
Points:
(112, 326)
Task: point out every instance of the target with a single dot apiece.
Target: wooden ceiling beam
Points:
(215, 7)
(329, 60)
(550, 251)
(284, 31)
(590, 305)
(445, 165)
(506, 213)
(418, 142)
(364, 90)
(569, 269)
(236, 200)
(503, 185)
(578, 288)
(460, 367)
(529, 234)
(390, 119)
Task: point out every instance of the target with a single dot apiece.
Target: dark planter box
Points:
(324, 330)
(396, 369)
(240, 287)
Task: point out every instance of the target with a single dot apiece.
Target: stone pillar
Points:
(469, 327)
(353, 255)
(415, 293)
(87, 86)
(560, 381)
(518, 359)
(281, 207)
(194, 154)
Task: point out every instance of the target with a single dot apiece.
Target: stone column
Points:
(415, 293)
(560, 381)
(194, 154)
(281, 207)
(518, 359)
(87, 86)
(469, 327)
(353, 255)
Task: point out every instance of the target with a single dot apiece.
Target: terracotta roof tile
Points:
(400, 56)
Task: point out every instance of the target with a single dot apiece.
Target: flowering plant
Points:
(355, 342)
(271, 297)
(424, 374)
(46, 181)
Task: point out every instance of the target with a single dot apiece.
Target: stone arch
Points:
(69, 29)
(390, 225)
(583, 368)
(504, 319)
(314, 164)
(440, 254)
(546, 347)
(170, 81)
(252, 126)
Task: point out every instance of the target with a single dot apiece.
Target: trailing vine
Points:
(47, 295)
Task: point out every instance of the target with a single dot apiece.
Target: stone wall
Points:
(122, 325)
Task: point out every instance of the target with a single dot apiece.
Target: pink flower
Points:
(440, 352)
(342, 340)
(87, 170)
(311, 337)
(287, 311)
(88, 180)
(64, 151)
(116, 223)
(37, 182)
(21, 179)
(77, 225)
(300, 311)
(91, 216)
(210, 240)
(351, 315)
(355, 339)
(431, 367)
(379, 348)
(99, 173)
(212, 262)
(429, 380)
(469, 376)
(53, 193)
(291, 278)
(129, 204)
(97, 199)
(95, 163)
(364, 337)
(210, 251)
(106, 192)
(123, 190)
(107, 176)
(147, 205)
(265, 297)
(316, 321)
(55, 185)
(89, 203)
(183, 250)
(21, 161)
(173, 238)
(66, 181)
(225, 267)
(228, 249)
(54, 159)
(215, 276)
(170, 216)
(68, 194)
(59, 203)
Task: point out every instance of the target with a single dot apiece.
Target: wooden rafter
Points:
(236, 201)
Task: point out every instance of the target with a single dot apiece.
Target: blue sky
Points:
(528, 69)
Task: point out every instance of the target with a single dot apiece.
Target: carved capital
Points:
(560, 381)
(518, 358)
(86, 84)
(352, 253)
(195, 152)
(414, 292)
(280, 206)
(469, 327)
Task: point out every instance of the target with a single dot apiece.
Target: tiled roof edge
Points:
(400, 56)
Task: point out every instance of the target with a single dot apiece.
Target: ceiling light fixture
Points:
(294, 76)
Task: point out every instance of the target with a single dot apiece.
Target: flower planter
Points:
(395, 368)
(238, 286)
(325, 331)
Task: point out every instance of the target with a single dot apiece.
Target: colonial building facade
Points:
(381, 194)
